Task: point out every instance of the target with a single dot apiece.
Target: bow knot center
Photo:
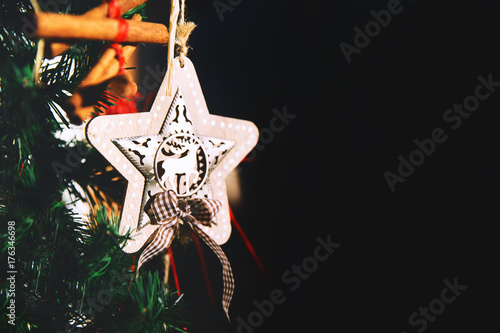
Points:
(184, 210)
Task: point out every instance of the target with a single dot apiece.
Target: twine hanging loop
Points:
(179, 31)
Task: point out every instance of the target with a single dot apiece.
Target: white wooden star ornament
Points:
(177, 145)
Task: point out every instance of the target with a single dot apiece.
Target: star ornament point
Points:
(178, 145)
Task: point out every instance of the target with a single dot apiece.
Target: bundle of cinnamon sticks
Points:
(59, 30)
(94, 25)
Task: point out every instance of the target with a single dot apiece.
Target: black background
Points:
(324, 173)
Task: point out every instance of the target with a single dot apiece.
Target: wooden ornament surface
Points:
(111, 134)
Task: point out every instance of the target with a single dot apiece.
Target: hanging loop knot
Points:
(184, 29)
(168, 212)
(184, 211)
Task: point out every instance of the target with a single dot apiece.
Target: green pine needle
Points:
(72, 271)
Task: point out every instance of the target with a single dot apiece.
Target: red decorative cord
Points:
(247, 242)
(122, 34)
(119, 56)
(114, 12)
(114, 9)
(176, 277)
(203, 266)
(174, 269)
(147, 103)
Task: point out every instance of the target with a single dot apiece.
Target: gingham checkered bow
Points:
(169, 212)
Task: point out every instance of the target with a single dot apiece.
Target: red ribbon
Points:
(122, 34)
(114, 12)
(119, 55)
(113, 9)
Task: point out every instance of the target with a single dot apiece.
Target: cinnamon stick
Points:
(102, 9)
(81, 104)
(107, 66)
(54, 48)
(61, 26)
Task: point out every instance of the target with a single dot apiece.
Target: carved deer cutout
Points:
(183, 162)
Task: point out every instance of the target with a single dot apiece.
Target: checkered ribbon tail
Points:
(168, 213)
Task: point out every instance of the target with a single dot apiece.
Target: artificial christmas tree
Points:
(60, 271)
(64, 269)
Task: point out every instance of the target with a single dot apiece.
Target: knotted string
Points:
(184, 29)
(114, 12)
(179, 31)
(172, 28)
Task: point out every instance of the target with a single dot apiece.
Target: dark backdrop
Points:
(323, 174)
